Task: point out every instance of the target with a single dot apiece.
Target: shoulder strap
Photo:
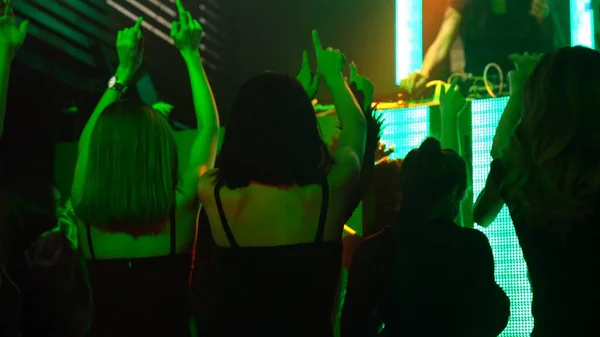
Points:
(222, 216)
(324, 207)
(89, 240)
(173, 226)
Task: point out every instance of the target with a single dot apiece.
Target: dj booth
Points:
(405, 127)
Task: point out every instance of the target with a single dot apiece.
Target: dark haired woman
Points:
(548, 174)
(491, 31)
(277, 204)
(425, 275)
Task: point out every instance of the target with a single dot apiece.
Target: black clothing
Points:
(275, 291)
(141, 297)
(490, 37)
(563, 270)
(430, 278)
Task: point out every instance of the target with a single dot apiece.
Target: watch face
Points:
(112, 81)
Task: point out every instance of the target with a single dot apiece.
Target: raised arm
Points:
(351, 147)
(437, 52)
(489, 202)
(452, 103)
(440, 48)
(130, 49)
(187, 34)
(363, 91)
(12, 36)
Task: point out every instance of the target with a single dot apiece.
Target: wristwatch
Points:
(114, 84)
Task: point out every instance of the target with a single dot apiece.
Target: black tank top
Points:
(275, 291)
(141, 296)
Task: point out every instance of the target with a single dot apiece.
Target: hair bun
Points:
(430, 150)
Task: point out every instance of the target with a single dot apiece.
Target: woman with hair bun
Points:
(426, 276)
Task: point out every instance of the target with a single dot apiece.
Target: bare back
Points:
(261, 215)
(111, 245)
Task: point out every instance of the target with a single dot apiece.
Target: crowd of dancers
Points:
(247, 241)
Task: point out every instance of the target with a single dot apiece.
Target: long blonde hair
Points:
(131, 172)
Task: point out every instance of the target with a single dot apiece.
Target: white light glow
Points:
(582, 23)
(145, 24)
(409, 37)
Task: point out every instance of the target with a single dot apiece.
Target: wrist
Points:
(335, 81)
(190, 55)
(423, 73)
(6, 54)
(124, 75)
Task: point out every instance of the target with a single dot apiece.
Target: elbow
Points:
(481, 216)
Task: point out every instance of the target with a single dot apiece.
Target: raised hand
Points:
(12, 35)
(413, 85)
(525, 64)
(330, 62)
(539, 10)
(308, 79)
(163, 108)
(187, 32)
(363, 84)
(451, 100)
(383, 152)
(130, 49)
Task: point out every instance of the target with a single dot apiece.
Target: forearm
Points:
(205, 107)
(449, 138)
(110, 96)
(5, 63)
(435, 55)
(352, 119)
(506, 127)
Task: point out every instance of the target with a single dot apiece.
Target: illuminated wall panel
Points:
(409, 37)
(511, 270)
(405, 129)
(582, 23)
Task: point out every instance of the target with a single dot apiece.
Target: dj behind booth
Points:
(489, 34)
(490, 31)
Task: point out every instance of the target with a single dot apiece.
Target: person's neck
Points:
(444, 213)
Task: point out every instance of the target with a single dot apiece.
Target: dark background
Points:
(69, 54)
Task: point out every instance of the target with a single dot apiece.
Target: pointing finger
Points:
(138, 24)
(180, 9)
(317, 41)
(305, 60)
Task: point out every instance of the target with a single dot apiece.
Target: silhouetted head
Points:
(386, 189)
(272, 136)
(553, 161)
(27, 210)
(130, 176)
(432, 182)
